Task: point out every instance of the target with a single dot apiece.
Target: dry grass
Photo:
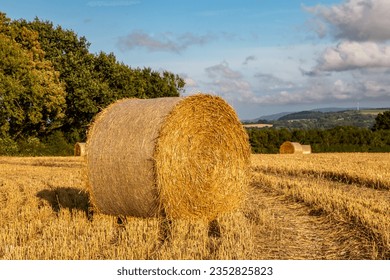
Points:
(289, 214)
(346, 198)
(45, 214)
(371, 170)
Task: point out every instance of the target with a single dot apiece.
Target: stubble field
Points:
(317, 206)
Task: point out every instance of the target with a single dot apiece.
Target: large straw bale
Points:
(306, 149)
(290, 148)
(184, 157)
(80, 149)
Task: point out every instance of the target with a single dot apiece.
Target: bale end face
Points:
(306, 149)
(80, 149)
(202, 159)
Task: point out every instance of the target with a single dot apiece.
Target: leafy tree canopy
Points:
(78, 83)
(382, 121)
(32, 98)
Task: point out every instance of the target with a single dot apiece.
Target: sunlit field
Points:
(316, 206)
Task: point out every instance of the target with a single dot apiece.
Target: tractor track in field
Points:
(337, 177)
(293, 229)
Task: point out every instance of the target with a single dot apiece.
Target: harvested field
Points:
(317, 206)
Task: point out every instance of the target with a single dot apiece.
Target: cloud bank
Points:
(355, 55)
(355, 20)
(227, 82)
(352, 65)
(165, 42)
(355, 66)
(361, 29)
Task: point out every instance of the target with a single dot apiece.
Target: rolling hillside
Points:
(322, 118)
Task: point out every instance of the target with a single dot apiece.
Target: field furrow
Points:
(291, 230)
(341, 177)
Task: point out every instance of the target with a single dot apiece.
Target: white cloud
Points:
(267, 89)
(376, 89)
(355, 69)
(223, 71)
(190, 82)
(269, 82)
(353, 55)
(227, 82)
(356, 20)
(314, 93)
(345, 90)
(274, 81)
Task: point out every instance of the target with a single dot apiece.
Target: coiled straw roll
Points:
(184, 157)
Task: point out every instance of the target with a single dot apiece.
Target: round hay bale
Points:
(184, 157)
(80, 149)
(306, 149)
(290, 148)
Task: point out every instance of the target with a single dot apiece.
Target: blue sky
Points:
(261, 56)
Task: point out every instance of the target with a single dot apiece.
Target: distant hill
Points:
(272, 117)
(323, 118)
(304, 115)
(334, 109)
(277, 116)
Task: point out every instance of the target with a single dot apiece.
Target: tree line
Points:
(337, 139)
(51, 86)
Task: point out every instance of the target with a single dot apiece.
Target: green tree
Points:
(93, 81)
(32, 99)
(382, 121)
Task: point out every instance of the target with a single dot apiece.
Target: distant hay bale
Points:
(306, 149)
(79, 149)
(291, 148)
(184, 157)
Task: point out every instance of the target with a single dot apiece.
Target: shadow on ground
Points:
(66, 198)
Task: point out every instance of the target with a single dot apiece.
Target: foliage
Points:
(338, 139)
(382, 121)
(50, 83)
(8, 146)
(32, 99)
(327, 120)
(302, 115)
(54, 144)
(93, 81)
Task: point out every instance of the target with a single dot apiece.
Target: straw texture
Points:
(80, 149)
(306, 149)
(291, 148)
(186, 157)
